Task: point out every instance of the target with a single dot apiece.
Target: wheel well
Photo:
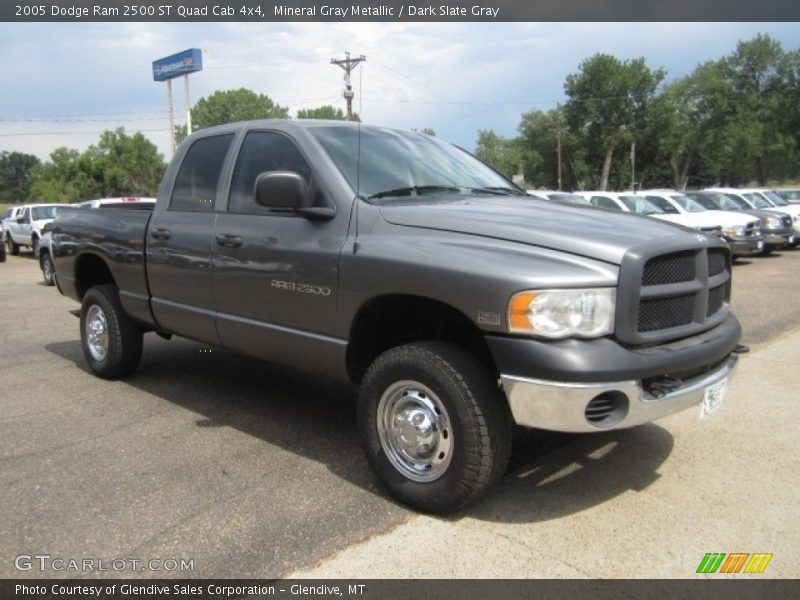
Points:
(91, 270)
(390, 321)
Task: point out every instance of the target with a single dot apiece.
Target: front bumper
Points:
(742, 246)
(559, 406)
(550, 383)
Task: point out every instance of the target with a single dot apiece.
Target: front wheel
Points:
(48, 272)
(435, 426)
(111, 341)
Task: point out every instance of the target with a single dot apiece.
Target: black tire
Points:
(48, 270)
(123, 348)
(475, 425)
(13, 247)
(35, 246)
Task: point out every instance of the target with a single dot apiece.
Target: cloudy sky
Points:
(64, 83)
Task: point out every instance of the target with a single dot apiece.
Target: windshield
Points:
(398, 163)
(705, 201)
(640, 205)
(776, 199)
(757, 201)
(568, 198)
(687, 203)
(44, 212)
(737, 200)
(663, 204)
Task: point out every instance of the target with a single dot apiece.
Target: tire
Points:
(13, 247)
(446, 403)
(111, 342)
(35, 246)
(48, 271)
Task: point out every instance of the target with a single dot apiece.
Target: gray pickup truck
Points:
(459, 304)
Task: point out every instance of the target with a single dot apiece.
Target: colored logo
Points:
(734, 562)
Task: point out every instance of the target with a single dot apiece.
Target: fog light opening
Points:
(606, 409)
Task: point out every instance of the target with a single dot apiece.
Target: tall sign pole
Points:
(170, 67)
(348, 64)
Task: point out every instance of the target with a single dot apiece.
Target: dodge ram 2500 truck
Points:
(459, 304)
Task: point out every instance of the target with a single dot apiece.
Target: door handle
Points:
(159, 233)
(228, 240)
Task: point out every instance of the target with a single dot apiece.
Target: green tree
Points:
(608, 101)
(325, 112)
(229, 106)
(501, 153)
(118, 165)
(15, 175)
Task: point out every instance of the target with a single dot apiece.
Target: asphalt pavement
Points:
(247, 470)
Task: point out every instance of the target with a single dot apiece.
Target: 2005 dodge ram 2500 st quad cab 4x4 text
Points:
(458, 304)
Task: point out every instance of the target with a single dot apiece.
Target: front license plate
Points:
(712, 398)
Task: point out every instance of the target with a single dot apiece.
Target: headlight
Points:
(563, 313)
(774, 223)
(738, 230)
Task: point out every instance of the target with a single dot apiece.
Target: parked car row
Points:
(29, 225)
(752, 221)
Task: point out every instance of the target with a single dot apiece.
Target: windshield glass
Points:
(776, 199)
(705, 201)
(640, 205)
(400, 163)
(663, 204)
(757, 201)
(687, 203)
(740, 202)
(568, 198)
(44, 212)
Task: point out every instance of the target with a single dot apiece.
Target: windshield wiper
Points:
(498, 191)
(414, 190)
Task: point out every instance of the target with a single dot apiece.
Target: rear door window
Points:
(198, 177)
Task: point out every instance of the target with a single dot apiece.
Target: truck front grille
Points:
(671, 295)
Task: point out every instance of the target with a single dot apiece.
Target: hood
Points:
(583, 230)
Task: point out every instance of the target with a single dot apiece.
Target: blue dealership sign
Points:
(188, 61)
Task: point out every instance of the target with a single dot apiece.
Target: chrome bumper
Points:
(562, 406)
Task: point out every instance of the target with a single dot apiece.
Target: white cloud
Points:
(456, 78)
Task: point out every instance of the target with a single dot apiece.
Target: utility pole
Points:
(348, 64)
(558, 150)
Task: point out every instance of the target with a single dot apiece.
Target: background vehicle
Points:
(774, 230)
(118, 202)
(780, 224)
(25, 230)
(562, 197)
(791, 196)
(456, 303)
(782, 205)
(9, 214)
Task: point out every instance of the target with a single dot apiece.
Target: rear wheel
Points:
(111, 341)
(13, 247)
(435, 426)
(48, 272)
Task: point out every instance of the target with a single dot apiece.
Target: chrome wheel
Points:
(96, 333)
(47, 268)
(414, 430)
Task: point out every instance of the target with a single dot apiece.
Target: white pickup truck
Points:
(24, 229)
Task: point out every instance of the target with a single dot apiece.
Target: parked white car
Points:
(783, 220)
(742, 232)
(778, 203)
(25, 229)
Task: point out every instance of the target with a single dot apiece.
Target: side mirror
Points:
(47, 227)
(282, 189)
(21, 221)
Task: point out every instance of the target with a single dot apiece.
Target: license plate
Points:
(712, 398)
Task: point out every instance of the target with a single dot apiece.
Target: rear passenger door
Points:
(180, 235)
(275, 272)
